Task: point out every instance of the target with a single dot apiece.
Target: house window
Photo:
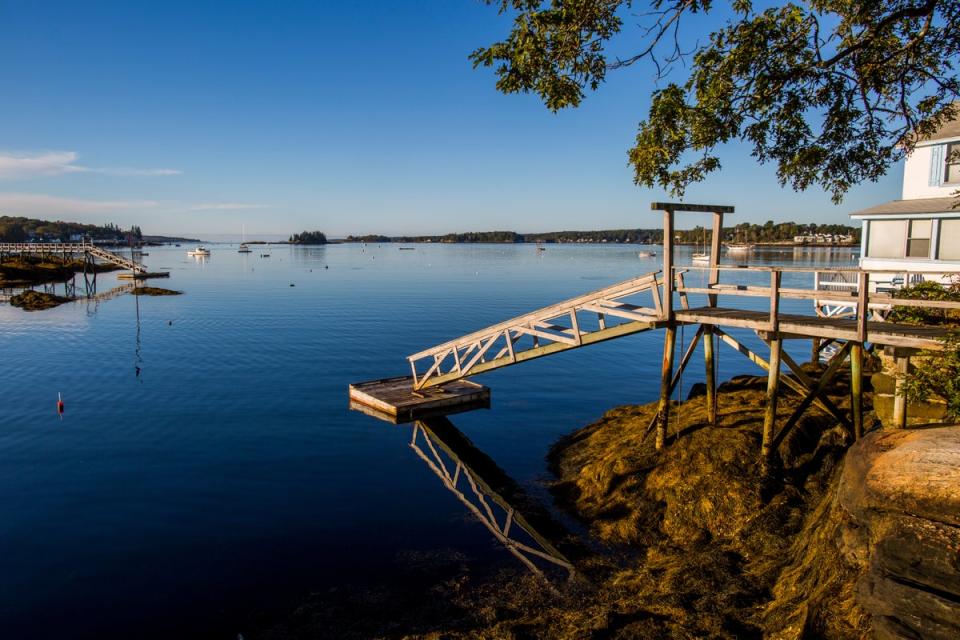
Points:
(886, 238)
(949, 240)
(918, 238)
(952, 162)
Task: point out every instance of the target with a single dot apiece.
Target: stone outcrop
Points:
(900, 492)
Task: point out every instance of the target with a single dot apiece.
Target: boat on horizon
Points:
(243, 241)
(646, 254)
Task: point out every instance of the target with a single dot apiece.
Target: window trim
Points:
(909, 238)
(947, 164)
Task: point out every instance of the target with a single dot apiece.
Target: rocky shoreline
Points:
(847, 540)
(25, 271)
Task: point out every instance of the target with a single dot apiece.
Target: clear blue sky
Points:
(348, 117)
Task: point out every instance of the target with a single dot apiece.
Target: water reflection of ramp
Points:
(115, 292)
(491, 495)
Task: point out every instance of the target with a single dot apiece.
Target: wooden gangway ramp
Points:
(63, 249)
(437, 384)
(857, 322)
(600, 315)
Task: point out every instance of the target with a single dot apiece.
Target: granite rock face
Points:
(901, 493)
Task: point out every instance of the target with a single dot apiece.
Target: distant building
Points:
(823, 238)
(921, 232)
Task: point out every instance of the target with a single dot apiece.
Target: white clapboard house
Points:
(915, 238)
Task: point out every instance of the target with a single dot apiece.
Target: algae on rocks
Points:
(154, 291)
(31, 270)
(842, 542)
(712, 535)
(37, 300)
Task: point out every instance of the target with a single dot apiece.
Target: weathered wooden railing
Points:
(71, 248)
(548, 330)
(858, 296)
(773, 326)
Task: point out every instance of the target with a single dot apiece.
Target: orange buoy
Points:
(59, 404)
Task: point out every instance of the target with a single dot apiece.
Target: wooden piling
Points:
(863, 305)
(773, 392)
(666, 373)
(668, 264)
(856, 388)
(900, 400)
(715, 240)
(711, 373)
(713, 279)
(815, 350)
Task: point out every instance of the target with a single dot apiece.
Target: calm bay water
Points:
(207, 471)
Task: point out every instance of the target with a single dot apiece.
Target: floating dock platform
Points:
(394, 399)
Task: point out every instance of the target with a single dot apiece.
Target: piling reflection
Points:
(524, 528)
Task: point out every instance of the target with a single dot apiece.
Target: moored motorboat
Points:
(739, 247)
(200, 252)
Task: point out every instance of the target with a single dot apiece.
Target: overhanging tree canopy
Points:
(831, 91)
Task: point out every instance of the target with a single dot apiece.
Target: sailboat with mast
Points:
(243, 241)
(702, 255)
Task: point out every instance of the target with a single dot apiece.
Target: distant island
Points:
(19, 229)
(308, 237)
(767, 233)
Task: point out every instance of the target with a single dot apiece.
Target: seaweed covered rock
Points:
(37, 300)
(845, 542)
(713, 535)
(154, 291)
(28, 270)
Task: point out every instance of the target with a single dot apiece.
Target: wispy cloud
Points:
(20, 166)
(123, 172)
(30, 204)
(225, 206)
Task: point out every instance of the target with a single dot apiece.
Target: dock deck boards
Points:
(395, 400)
(801, 326)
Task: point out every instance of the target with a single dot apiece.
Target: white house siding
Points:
(916, 175)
